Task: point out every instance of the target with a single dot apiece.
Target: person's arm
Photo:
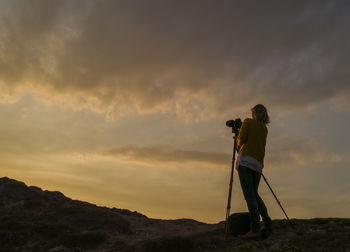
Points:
(243, 135)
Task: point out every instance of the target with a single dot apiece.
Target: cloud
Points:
(163, 155)
(176, 57)
(299, 151)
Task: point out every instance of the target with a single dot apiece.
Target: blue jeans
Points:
(250, 182)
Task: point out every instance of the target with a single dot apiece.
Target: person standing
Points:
(251, 142)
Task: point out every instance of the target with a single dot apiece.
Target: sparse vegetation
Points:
(170, 244)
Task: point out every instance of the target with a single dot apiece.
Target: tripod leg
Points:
(229, 198)
(290, 222)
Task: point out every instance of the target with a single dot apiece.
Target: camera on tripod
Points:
(234, 124)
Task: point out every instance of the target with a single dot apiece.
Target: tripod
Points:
(235, 131)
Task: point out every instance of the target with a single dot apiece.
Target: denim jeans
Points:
(250, 182)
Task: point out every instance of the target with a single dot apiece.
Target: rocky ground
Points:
(35, 220)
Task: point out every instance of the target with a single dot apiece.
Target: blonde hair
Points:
(260, 113)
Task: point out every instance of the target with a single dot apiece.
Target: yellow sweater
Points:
(251, 139)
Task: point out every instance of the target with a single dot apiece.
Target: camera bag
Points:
(239, 223)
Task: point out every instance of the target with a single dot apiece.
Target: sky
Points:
(123, 103)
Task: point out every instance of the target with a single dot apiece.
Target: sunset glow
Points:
(124, 103)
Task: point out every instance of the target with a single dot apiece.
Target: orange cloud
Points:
(163, 155)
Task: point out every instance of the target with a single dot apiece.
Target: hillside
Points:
(35, 220)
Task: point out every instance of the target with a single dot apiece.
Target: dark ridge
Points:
(33, 218)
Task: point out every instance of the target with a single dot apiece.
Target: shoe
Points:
(251, 235)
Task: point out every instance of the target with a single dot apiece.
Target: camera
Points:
(234, 124)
